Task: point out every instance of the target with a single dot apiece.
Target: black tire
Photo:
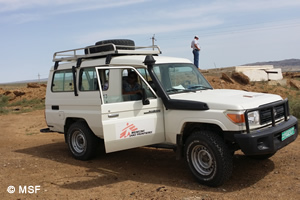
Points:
(130, 45)
(81, 141)
(208, 158)
(262, 157)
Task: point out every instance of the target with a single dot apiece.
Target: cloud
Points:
(88, 6)
(220, 7)
(20, 18)
(146, 30)
(206, 19)
(198, 8)
(11, 9)
(15, 5)
(21, 11)
(62, 5)
(255, 5)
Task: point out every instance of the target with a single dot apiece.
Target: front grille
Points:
(266, 114)
(270, 113)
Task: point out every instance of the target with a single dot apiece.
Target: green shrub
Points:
(294, 104)
(3, 100)
(3, 104)
(24, 104)
(3, 110)
(29, 105)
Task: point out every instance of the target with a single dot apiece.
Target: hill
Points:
(287, 65)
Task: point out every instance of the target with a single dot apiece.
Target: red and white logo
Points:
(126, 132)
(134, 129)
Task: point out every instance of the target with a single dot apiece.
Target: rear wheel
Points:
(81, 141)
(208, 158)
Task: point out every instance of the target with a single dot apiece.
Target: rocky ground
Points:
(42, 160)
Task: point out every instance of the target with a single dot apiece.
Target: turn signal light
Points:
(236, 118)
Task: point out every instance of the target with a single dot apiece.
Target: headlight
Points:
(253, 118)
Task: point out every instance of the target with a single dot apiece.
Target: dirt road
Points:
(42, 161)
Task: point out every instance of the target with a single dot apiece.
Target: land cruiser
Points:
(173, 106)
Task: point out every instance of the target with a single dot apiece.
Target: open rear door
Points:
(128, 123)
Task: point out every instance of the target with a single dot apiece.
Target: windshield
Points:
(178, 78)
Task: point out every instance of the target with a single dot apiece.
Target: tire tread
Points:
(92, 141)
(215, 142)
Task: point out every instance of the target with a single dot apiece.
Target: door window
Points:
(124, 84)
(133, 85)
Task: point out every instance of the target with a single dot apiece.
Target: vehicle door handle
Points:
(55, 107)
(113, 115)
(152, 111)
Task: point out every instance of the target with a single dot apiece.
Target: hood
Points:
(227, 99)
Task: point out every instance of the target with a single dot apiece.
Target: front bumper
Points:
(268, 140)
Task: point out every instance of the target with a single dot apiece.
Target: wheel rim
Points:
(202, 160)
(78, 141)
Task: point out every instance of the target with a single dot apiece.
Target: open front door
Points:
(127, 123)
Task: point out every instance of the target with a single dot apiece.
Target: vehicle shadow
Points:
(145, 165)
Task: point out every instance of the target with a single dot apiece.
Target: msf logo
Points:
(126, 132)
(25, 189)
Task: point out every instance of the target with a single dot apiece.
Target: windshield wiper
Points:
(192, 88)
(196, 87)
(174, 90)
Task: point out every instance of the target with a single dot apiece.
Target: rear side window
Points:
(63, 81)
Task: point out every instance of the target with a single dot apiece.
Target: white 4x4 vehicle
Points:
(90, 97)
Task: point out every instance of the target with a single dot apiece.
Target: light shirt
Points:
(195, 42)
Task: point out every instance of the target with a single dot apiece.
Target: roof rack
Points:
(103, 50)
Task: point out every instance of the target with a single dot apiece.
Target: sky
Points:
(231, 32)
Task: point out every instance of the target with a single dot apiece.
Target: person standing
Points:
(196, 50)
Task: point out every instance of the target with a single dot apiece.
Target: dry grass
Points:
(13, 86)
(22, 104)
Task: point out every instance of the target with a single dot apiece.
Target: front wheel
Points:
(208, 158)
(81, 141)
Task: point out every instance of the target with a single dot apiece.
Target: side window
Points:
(132, 85)
(88, 79)
(63, 81)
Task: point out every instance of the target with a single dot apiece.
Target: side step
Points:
(46, 130)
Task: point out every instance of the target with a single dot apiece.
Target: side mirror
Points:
(144, 97)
